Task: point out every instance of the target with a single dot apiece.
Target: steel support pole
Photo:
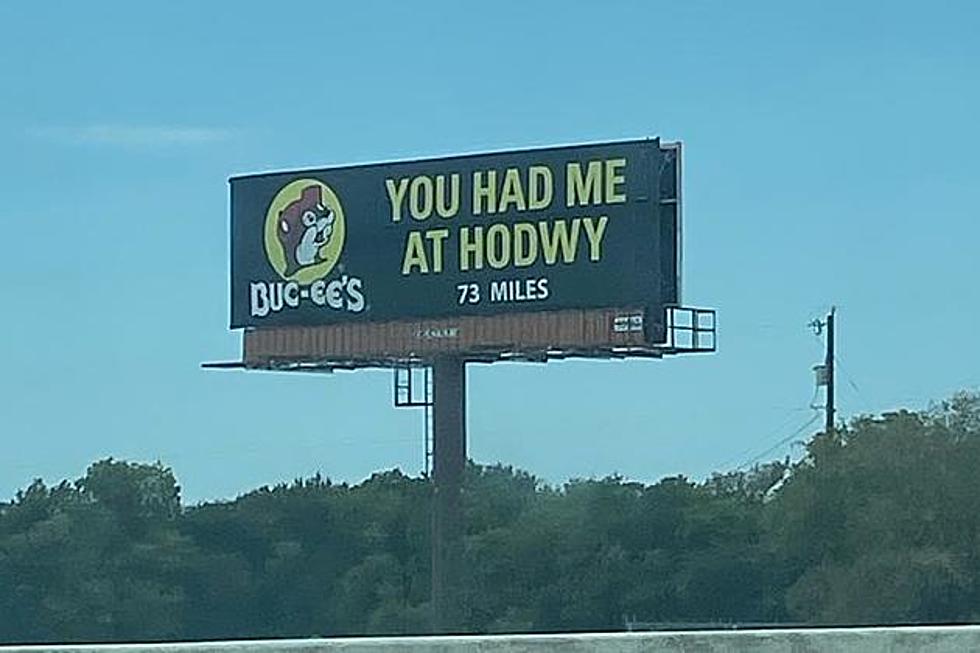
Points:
(448, 464)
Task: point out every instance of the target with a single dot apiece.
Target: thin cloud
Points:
(133, 135)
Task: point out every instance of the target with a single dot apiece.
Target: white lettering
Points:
(335, 293)
(291, 294)
(355, 303)
(318, 292)
(272, 297)
(260, 300)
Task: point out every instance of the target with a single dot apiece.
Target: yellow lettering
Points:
(484, 195)
(498, 246)
(414, 254)
(541, 187)
(581, 191)
(525, 244)
(512, 192)
(614, 179)
(447, 207)
(420, 201)
(559, 238)
(470, 252)
(436, 237)
(594, 232)
(396, 195)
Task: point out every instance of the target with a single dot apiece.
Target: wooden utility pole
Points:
(829, 363)
(826, 372)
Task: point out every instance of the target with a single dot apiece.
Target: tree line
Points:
(875, 524)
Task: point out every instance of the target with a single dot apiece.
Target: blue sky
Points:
(831, 158)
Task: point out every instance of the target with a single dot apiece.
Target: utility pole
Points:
(829, 363)
(826, 373)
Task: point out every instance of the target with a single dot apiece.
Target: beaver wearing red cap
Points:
(304, 227)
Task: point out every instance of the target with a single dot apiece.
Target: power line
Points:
(826, 373)
(850, 381)
(800, 429)
(787, 419)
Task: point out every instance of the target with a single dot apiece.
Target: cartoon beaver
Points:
(305, 226)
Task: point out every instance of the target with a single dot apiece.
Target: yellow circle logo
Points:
(304, 231)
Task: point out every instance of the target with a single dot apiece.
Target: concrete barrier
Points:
(935, 639)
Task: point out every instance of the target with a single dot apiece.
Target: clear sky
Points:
(831, 158)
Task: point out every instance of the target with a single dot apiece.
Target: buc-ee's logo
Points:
(304, 240)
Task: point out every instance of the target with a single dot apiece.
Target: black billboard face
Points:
(572, 227)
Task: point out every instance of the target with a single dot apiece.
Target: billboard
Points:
(581, 227)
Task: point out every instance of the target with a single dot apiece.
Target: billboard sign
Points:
(507, 232)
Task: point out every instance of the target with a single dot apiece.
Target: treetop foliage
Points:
(875, 524)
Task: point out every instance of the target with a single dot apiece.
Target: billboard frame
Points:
(628, 334)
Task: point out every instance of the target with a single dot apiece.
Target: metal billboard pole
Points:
(448, 465)
(336, 308)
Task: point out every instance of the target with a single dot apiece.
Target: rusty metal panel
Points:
(536, 335)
